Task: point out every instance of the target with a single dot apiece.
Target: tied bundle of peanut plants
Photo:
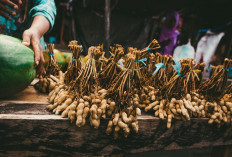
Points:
(217, 82)
(140, 64)
(218, 106)
(87, 79)
(191, 77)
(72, 99)
(159, 76)
(145, 93)
(53, 74)
(173, 100)
(177, 86)
(74, 66)
(89, 98)
(63, 95)
(219, 109)
(122, 107)
(111, 69)
(153, 46)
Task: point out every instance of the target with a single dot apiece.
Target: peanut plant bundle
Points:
(111, 70)
(53, 74)
(123, 110)
(116, 89)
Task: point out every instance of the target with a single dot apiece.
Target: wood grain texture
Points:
(31, 117)
(58, 136)
(28, 129)
(27, 96)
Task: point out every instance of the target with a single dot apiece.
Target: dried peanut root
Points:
(53, 74)
(75, 65)
(125, 122)
(148, 94)
(193, 105)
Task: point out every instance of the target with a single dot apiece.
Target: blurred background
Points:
(136, 22)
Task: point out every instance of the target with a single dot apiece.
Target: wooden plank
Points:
(58, 136)
(31, 117)
(11, 111)
(29, 96)
(23, 109)
(50, 134)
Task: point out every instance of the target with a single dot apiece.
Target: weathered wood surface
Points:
(27, 129)
(28, 96)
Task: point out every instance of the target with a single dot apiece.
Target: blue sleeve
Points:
(46, 8)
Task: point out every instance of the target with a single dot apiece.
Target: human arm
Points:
(31, 36)
(43, 14)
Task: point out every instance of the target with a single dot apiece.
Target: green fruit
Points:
(66, 54)
(16, 66)
(68, 59)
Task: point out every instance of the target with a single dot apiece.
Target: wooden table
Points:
(27, 129)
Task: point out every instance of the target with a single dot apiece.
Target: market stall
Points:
(114, 78)
(36, 122)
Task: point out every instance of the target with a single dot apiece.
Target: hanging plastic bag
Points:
(184, 51)
(206, 47)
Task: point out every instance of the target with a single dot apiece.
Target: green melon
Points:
(16, 66)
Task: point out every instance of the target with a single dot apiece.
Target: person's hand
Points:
(32, 37)
(5, 12)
